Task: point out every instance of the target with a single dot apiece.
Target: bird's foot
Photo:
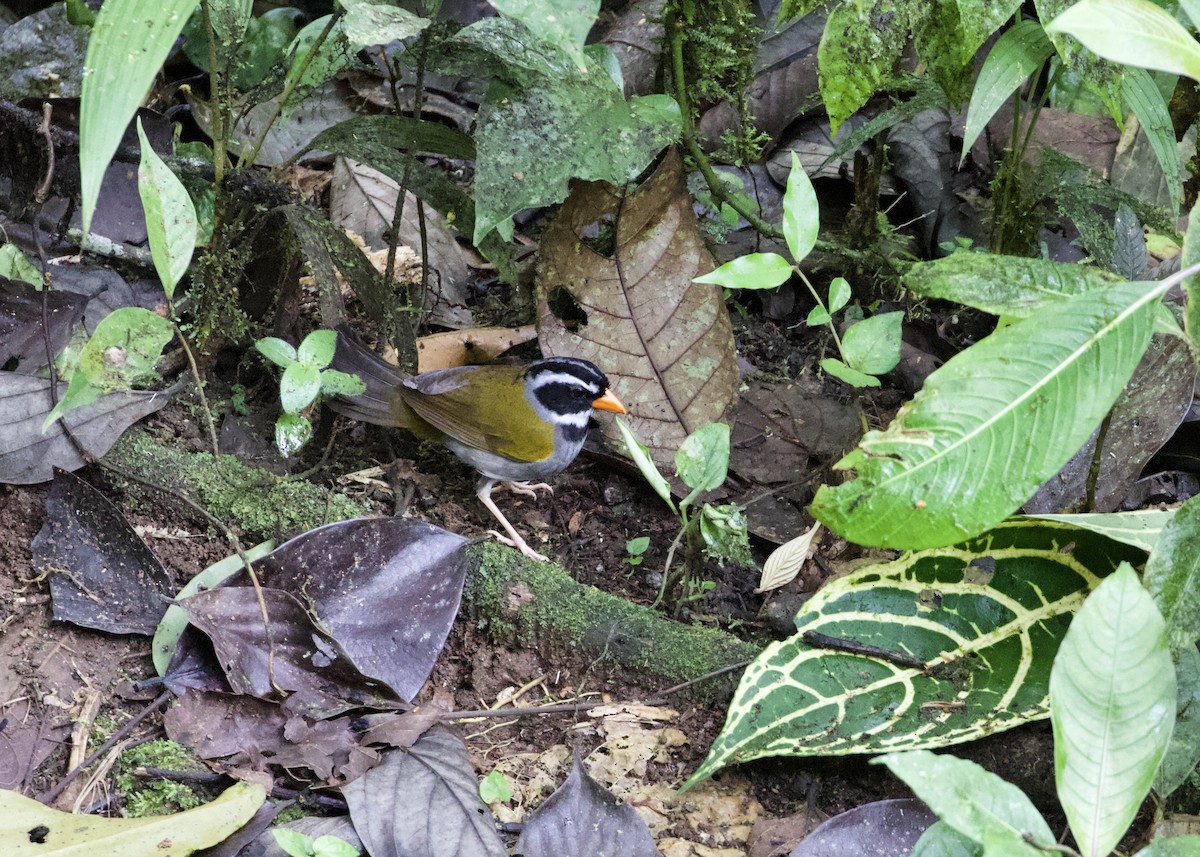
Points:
(529, 489)
(519, 544)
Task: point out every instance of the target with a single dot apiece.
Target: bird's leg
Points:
(529, 489)
(484, 492)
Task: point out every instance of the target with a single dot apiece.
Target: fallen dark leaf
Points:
(424, 800)
(583, 819)
(884, 828)
(21, 331)
(101, 574)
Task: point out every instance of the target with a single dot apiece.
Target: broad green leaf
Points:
(1140, 528)
(331, 56)
(171, 224)
(1173, 574)
(1191, 286)
(873, 344)
(974, 801)
(949, 33)
(801, 213)
(942, 840)
(298, 387)
(1093, 83)
(818, 316)
(1132, 32)
(379, 23)
(964, 639)
(357, 138)
(174, 620)
(120, 354)
(842, 372)
(859, 49)
(1017, 54)
(1178, 846)
(341, 383)
(229, 19)
(15, 266)
(702, 460)
(1183, 751)
(251, 57)
(317, 348)
(128, 44)
(69, 835)
(1004, 285)
(276, 350)
(839, 293)
(562, 23)
(1112, 703)
(1148, 105)
(292, 431)
(992, 424)
(641, 457)
(1192, 9)
(752, 271)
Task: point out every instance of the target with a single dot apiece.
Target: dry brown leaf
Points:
(470, 346)
(665, 342)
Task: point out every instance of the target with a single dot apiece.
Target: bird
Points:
(514, 423)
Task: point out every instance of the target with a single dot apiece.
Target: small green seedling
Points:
(305, 377)
(717, 532)
(494, 787)
(300, 844)
(868, 347)
(635, 550)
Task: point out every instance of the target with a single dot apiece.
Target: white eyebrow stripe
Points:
(544, 378)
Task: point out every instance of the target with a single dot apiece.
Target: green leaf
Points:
(1132, 32)
(752, 271)
(317, 348)
(494, 787)
(641, 457)
(333, 55)
(974, 801)
(1019, 52)
(15, 266)
(544, 122)
(873, 344)
(277, 351)
(334, 382)
(298, 387)
(942, 840)
(120, 354)
(726, 538)
(1173, 574)
(292, 431)
(1004, 285)
(177, 835)
(174, 620)
(1140, 528)
(839, 293)
(379, 23)
(1148, 105)
(992, 424)
(859, 50)
(842, 372)
(801, 212)
(1183, 752)
(1112, 703)
(963, 637)
(637, 546)
(818, 316)
(562, 23)
(365, 136)
(128, 45)
(1176, 846)
(1191, 287)
(334, 846)
(702, 460)
(293, 842)
(171, 223)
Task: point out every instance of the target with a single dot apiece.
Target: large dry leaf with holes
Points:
(615, 287)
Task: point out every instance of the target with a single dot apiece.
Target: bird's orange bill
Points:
(609, 402)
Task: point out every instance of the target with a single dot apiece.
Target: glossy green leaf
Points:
(645, 464)
(702, 460)
(1140, 528)
(292, 431)
(839, 370)
(174, 620)
(317, 348)
(1183, 751)
(974, 801)
(839, 293)
(992, 424)
(1173, 574)
(298, 387)
(1112, 703)
(1018, 53)
(1132, 32)
(957, 644)
(752, 271)
(1150, 108)
(276, 350)
(171, 224)
(127, 47)
(801, 213)
(563, 23)
(873, 344)
(1004, 285)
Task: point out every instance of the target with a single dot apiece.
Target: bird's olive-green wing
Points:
(483, 407)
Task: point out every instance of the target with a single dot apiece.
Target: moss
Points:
(144, 796)
(260, 504)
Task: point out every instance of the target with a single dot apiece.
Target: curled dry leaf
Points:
(615, 287)
(785, 561)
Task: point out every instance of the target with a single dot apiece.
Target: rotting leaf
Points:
(424, 801)
(102, 575)
(664, 341)
(21, 330)
(882, 828)
(583, 819)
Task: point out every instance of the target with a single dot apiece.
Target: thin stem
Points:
(216, 91)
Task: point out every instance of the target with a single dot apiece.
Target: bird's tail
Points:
(381, 403)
